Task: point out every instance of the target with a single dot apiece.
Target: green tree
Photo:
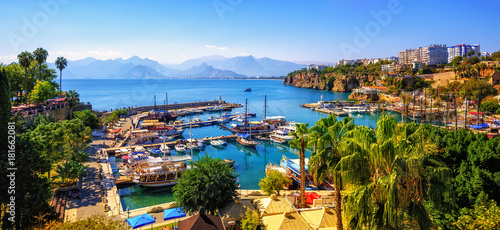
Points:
(484, 215)
(40, 56)
(88, 118)
(251, 220)
(490, 106)
(69, 170)
(478, 90)
(274, 182)
(457, 60)
(208, 186)
(25, 58)
(61, 64)
(299, 141)
(73, 99)
(393, 172)
(32, 190)
(42, 91)
(5, 115)
(326, 136)
(16, 79)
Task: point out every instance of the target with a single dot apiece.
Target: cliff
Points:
(330, 81)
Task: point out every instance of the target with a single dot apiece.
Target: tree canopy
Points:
(274, 182)
(42, 91)
(208, 186)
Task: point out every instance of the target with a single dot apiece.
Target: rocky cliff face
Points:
(331, 81)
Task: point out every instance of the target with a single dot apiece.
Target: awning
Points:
(173, 213)
(126, 157)
(139, 221)
(244, 135)
(115, 131)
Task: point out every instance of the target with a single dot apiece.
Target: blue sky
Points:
(173, 31)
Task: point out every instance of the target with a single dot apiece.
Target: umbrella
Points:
(173, 213)
(140, 221)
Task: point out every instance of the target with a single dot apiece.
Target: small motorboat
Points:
(247, 89)
(180, 147)
(277, 139)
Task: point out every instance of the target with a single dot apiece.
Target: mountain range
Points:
(204, 67)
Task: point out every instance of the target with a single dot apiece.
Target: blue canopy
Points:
(135, 153)
(173, 213)
(480, 126)
(497, 122)
(244, 135)
(139, 221)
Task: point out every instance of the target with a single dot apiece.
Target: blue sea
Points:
(108, 94)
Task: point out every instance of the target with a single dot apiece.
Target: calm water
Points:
(249, 163)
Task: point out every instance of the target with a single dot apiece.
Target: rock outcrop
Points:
(330, 81)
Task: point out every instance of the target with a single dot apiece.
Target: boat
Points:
(354, 109)
(180, 147)
(167, 174)
(218, 143)
(247, 89)
(293, 169)
(282, 133)
(242, 139)
(277, 139)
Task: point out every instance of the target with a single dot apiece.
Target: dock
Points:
(168, 143)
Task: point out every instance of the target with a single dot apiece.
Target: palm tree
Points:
(40, 55)
(25, 58)
(393, 171)
(299, 141)
(326, 136)
(61, 63)
(72, 97)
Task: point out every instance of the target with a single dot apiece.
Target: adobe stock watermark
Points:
(31, 26)
(224, 6)
(11, 171)
(372, 29)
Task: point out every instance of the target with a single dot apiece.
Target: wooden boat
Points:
(277, 139)
(167, 174)
(246, 142)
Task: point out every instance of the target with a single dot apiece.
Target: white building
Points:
(435, 54)
(344, 62)
(316, 67)
(462, 50)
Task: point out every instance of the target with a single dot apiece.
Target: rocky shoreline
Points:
(330, 81)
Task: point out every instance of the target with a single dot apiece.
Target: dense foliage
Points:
(274, 182)
(473, 160)
(489, 106)
(88, 118)
(93, 222)
(208, 186)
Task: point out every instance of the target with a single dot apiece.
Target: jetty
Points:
(169, 143)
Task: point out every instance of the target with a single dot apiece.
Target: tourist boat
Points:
(277, 139)
(242, 139)
(282, 133)
(167, 174)
(128, 168)
(354, 109)
(293, 169)
(247, 89)
(180, 147)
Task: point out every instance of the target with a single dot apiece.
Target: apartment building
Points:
(435, 54)
(462, 50)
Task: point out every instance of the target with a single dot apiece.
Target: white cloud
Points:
(243, 53)
(215, 47)
(8, 59)
(104, 54)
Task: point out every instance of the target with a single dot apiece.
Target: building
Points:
(316, 67)
(429, 55)
(344, 62)
(462, 50)
(435, 54)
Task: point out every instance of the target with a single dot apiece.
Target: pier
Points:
(168, 143)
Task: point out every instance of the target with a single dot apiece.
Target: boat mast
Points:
(154, 108)
(265, 106)
(191, 138)
(166, 102)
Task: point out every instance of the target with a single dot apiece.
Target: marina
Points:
(249, 163)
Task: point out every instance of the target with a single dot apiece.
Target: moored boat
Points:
(180, 147)
(242, 139)
(166, 174)
(277, 139)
